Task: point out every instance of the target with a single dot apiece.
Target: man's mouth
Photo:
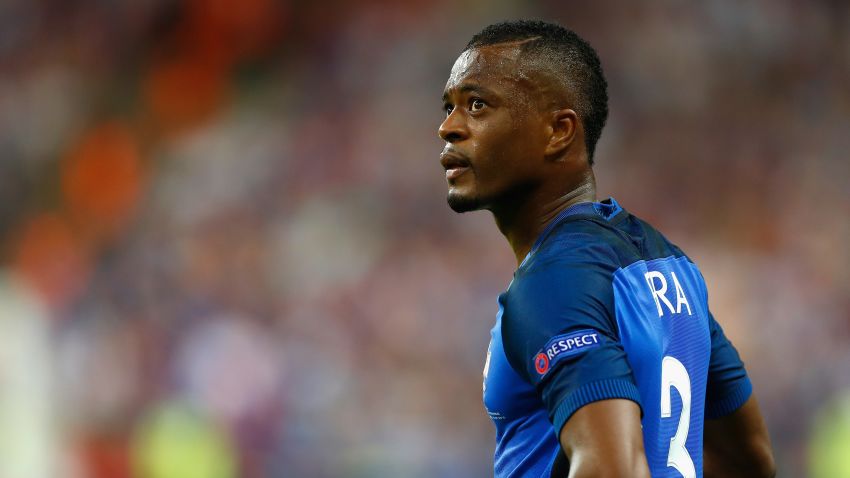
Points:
(454, 163)
(455, 172)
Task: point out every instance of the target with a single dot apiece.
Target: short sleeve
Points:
(728, 386)
(560, 333)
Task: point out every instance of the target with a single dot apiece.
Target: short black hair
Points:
(568, 54)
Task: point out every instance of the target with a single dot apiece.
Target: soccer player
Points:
(605, 360)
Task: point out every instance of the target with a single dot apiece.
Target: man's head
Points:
(525, 104)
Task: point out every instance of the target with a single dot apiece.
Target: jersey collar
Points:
(605, 209)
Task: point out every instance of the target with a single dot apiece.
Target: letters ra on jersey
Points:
(658, 288)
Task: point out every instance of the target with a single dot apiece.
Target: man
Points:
(605, 360)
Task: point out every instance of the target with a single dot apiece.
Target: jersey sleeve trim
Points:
(731, 402)
(594, 392)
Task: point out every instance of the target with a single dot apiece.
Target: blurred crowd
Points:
(225, 250)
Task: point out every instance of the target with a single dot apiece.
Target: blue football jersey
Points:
(604, 306)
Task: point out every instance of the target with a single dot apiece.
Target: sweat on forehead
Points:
(565, 68)
(510, 63)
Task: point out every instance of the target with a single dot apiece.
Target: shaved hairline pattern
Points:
(566, 56)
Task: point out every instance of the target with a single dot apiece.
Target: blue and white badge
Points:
(565, 345)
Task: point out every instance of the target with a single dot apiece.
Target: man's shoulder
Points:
(576, 259)
(586, 244)
(624, 239)
(581, 241)
(588, 249)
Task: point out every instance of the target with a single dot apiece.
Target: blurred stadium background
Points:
(225, 251)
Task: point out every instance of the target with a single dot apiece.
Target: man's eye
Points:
(448, 109)
(477, 105)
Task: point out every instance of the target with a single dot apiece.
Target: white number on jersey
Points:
(674, 374)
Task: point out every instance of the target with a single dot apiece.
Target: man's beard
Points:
(460, 203)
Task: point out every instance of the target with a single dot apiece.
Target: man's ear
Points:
(564, 125)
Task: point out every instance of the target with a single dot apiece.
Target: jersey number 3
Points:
(674, 374)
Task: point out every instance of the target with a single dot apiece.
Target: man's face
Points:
(494, 131)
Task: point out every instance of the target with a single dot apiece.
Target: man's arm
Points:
(604, 439)
(737, 445)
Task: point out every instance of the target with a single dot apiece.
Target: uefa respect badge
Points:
(564, 345)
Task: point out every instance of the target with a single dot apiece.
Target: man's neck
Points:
(523, 221)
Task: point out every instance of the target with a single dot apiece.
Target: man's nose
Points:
(453, 128)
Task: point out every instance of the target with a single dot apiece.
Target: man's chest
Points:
(507, 397)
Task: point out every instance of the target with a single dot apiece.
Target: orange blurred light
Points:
(181, 94)
(107, 457)
(51, 259)
(235, 30)
(101, 180)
